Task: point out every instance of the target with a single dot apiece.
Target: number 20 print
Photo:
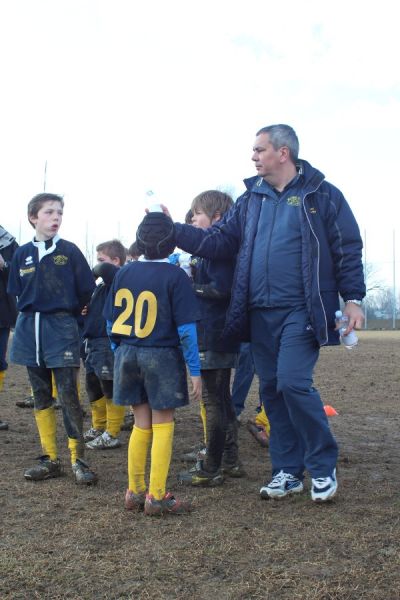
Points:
(125, 296)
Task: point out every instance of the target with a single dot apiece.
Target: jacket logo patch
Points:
(23, 272)
(60, 259)
(313, 211)
(28, 260)
(293, 201)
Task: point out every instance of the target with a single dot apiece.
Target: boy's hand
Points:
(84, 311)
(165, 210)
(196, 384)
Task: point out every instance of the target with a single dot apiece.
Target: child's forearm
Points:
(188, 337)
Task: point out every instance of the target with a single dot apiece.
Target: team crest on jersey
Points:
(60, 259)
(293, 201)
(23, 272)
(28, 260)
(313, 211)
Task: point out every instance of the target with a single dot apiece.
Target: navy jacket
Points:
(212, 282)
(94, 324)
(60, 280)
(331, 251)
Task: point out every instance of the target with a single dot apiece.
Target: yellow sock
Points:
(2, 375)
(203, 415)
(47, 426)
(262, 419)
(161, 452)
(138, 449)
(53, 386)
(115, 418)
(73, 446)
(99, 413)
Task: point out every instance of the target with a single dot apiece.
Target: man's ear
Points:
(216, 217)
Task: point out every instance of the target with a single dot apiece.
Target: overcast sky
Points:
(123, 96)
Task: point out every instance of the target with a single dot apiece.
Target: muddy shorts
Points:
(100, 358)
(153, 375)
(46, 340)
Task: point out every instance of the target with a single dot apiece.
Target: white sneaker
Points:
(281, 485)
(324, 488)
(105, 441)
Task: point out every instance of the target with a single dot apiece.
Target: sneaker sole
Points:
(322, 500)
(267, 496)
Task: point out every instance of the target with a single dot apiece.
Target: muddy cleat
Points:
(83, 474)
(27, 402)
(46, 469)
(129, 421)
(324, 488)
(281, 485)
(258, 433)
(168, 505)
(197, 476)
(105, 441)
(198, 452)
(233, 470)
(134, 501)
(3, 425)
(92, 434)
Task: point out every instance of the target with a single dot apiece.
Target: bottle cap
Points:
(155, 208)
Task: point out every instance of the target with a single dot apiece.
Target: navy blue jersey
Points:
(147, 302)
(94, 324)
(50, 280)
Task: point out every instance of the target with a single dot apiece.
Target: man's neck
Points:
(280, 180)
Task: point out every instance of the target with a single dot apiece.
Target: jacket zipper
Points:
(318, 259)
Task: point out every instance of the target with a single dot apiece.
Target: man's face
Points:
(267, 160)
(48, 220)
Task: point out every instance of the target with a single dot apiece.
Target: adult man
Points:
(298, 246)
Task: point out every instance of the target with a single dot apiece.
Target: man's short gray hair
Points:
(283, 135)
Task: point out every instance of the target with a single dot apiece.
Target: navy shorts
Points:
(100, 358)
(156, 376)
(46, 340)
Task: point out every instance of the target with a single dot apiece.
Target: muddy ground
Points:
(62, 541)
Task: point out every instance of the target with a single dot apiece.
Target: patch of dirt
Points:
(60, 541)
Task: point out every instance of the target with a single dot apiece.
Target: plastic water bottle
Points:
(152, 202)
(350, 340)
(184, 263)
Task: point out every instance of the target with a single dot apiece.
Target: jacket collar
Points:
(312, 179)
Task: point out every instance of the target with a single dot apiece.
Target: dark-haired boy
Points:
(107, 418)
(151, 310)
(53, 282)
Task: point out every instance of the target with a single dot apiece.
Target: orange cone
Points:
(330, 411)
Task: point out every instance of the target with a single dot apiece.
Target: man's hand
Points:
(356, 316)
(2, 263)
(196, 384)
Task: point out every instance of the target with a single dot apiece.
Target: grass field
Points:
(59, 541)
